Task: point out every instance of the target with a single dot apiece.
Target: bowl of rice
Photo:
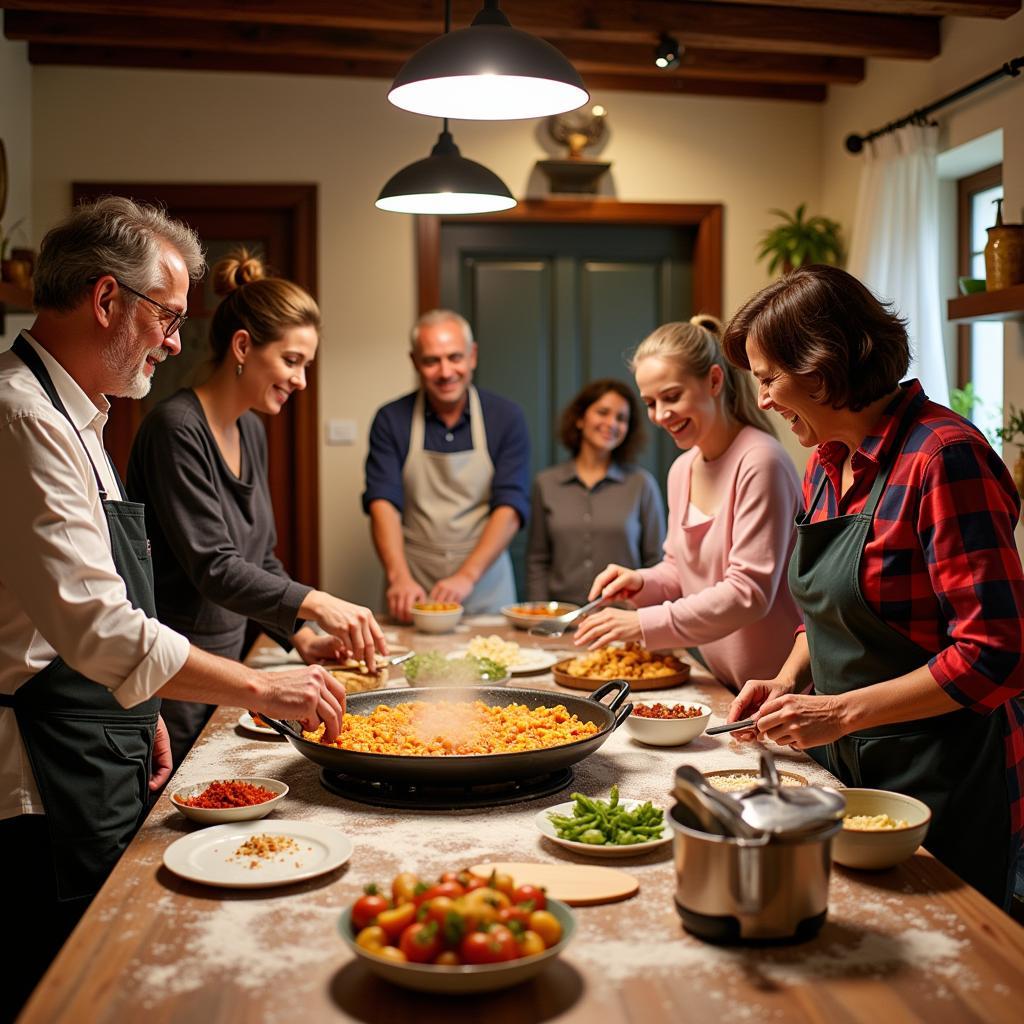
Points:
(434, 669)
(880, 829)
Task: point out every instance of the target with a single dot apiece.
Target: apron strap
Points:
(28, 355)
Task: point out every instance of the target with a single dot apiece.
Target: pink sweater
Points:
(722, 583)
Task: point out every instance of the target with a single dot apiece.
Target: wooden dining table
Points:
(912, 943)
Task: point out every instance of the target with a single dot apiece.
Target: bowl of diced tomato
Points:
(456, 934)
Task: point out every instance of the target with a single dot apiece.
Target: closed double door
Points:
(554, 307)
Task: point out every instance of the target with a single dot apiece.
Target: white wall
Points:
(16, 133)
(970, 49)
(343, 135)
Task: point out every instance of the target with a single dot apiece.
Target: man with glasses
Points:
(83, 660)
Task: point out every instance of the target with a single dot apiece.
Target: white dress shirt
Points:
(59, 590)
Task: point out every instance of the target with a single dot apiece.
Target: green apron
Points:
(90, 757)
(954, 762)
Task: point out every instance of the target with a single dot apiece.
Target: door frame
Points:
(299, 203)
(705, 217)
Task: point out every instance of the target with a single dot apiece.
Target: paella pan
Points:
(469, 769)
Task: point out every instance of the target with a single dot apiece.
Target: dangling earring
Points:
(238, 370)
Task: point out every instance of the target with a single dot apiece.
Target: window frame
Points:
(966, 188)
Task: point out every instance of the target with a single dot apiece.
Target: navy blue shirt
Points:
(508, 444)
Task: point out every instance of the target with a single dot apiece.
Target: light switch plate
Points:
(341, 431)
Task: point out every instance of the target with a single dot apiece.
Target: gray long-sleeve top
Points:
(212, 533)
(575, 531)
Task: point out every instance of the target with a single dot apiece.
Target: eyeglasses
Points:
(177, 318)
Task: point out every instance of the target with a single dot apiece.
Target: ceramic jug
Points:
(1004, 253)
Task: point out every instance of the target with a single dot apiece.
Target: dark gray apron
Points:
(90, 757)
(955, 762)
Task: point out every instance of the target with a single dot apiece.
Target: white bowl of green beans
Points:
(597, 827)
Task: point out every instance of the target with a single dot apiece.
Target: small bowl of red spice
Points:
(219, 801)
(667, 723)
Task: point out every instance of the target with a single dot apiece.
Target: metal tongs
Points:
(360, 668)
(555, 627)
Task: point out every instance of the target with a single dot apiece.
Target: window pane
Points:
(978, 265)
(987, 375)
(983, 215)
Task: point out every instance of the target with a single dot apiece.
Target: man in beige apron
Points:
(438, 517)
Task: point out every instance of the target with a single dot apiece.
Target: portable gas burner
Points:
(443, 798)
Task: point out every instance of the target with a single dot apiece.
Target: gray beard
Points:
(120, 358)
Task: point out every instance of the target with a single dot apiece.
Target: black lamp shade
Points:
(445, 183)
(488, 72)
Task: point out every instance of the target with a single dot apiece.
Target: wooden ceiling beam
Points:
(395, 48)
(915, 8)
(203, 60)
(727, 26)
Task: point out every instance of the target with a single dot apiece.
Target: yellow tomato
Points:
(502, 882)
(391, 953)
(372, 938)
(448, 958)
(403, 888)
(530, 943)
(546, 925)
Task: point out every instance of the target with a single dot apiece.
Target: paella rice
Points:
(441, 728)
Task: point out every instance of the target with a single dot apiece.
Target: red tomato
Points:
(450, 889)
(367, 907)
(491, 947)
(462, 877)
(421, 942)
(519, 915)
(475, 882)
(531, 894)
(395, 921)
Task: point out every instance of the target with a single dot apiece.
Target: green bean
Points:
(597, 822)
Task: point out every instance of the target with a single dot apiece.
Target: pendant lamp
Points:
(445, 183)
(488, 72)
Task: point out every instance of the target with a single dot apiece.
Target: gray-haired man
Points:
(83, 661)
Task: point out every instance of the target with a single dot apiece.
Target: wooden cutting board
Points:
(586, 683)
(579, 885)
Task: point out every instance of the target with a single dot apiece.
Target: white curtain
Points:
(895, 242)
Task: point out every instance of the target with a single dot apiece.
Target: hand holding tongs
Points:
(555, 627)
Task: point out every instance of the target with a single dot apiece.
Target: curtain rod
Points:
(1011, 69)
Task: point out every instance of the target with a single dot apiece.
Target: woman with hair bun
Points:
(199, 462)
(720, 590)
(597, 507)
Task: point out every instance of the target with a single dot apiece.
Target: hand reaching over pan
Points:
(310, 694)
(316, 648)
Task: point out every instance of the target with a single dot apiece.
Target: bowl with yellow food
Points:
(880, 829)
(436, 616)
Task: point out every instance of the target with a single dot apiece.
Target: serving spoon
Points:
(555, 627)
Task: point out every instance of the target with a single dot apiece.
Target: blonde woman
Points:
(199, 462)
(733, 496)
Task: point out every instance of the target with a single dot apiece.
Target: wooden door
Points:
(279, 222)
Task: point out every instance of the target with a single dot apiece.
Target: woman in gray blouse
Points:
(596, 508)
(199, 463)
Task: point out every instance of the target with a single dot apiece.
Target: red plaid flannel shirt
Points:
(940, 564)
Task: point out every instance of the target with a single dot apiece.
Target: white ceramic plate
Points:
(545, 827)
(462, 979)
(208, 856)
(246, 722)
(531, 659)
(222, 815)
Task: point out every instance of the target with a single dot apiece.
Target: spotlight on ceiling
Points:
(666, 53)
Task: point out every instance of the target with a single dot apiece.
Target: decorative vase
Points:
(1004, 253)
(17, 272)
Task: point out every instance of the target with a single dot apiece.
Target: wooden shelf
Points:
(1005, 304)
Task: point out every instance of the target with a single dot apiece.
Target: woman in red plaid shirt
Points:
(906, 672)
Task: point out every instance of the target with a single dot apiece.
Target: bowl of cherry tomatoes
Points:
(458, 933)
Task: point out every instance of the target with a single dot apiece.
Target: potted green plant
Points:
(1013, 433)
(798, 241)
